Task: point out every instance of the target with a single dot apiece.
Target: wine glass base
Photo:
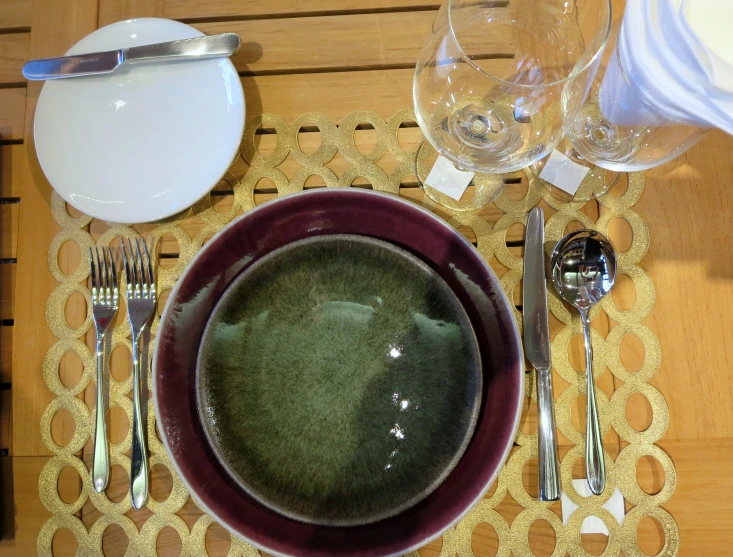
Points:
(592, 133)
(485, 125)
(482, 190)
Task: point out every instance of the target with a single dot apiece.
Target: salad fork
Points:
(140, 308)
(105, 298)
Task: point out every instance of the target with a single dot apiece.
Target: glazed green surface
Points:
(339, 380)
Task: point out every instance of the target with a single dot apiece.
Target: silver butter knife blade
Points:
(213, 46)
(73, 66)
(534, 298)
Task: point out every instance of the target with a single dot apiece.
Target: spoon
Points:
(583, 267)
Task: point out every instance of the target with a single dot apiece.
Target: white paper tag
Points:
(562, 172)
(593, 524)
(447, 179)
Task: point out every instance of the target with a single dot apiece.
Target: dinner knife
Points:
(537, 350)
(214, 46)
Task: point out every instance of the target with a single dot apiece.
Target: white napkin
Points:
(709, 21)
(673, 64)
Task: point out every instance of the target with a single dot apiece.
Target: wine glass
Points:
(496, 82)
(619, 128)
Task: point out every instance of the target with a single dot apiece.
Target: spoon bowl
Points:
(583, 266)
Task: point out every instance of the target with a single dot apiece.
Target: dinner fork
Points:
(140, 307)
(105, 298)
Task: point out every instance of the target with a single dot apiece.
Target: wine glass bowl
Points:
(631, 135)
(496, 81)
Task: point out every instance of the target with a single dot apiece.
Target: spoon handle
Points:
(594, 464)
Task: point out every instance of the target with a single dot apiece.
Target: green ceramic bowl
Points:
(339, 380)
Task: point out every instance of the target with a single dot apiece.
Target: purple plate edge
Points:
(505, 307)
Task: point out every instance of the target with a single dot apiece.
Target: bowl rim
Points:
(165, 317)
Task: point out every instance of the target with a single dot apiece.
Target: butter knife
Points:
(537, 350)
(214, 46)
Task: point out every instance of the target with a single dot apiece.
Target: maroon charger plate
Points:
(280, 222)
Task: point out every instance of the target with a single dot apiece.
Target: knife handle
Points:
(549, 464)
(224, 44)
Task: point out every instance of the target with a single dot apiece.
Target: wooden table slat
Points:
(360, 41)
(5, 422)
(58, 24)
(289, 96)
(6, 354)
(193, 10)
(9, 215)
(15, 14)
(12, 113)
(701, 505)
(20, 480)
(688, 206)
(11, 160)
(14, 50)
(7, 290)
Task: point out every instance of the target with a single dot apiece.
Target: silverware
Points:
(105, 298)
(140, 308)
(583, 271)
(537, 350)
(214, 46)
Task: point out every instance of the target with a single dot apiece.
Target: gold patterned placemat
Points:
(275, 163)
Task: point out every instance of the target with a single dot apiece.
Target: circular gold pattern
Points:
(328, 146)
(489, 225)
(102, 502)
(644, 297)
(249, 146)
(346, 130)
(660, 417)
(566, 400)
(84, 241)
(575, 544)
(53, 359)
(523, 522)
(206, 212)
(398, 119)
(482, 512)
(63, 218)
(566, 476)
(629, 457)
(631, 523)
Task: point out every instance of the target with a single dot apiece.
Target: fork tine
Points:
(115, 285)
(125, 262)
(113, 268)
(133, 264)
(103, 274)
(100, 273)
(143, 275)
(151, 277)
(94, 274)
(107, 277)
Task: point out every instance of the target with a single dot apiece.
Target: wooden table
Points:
(335, 56)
